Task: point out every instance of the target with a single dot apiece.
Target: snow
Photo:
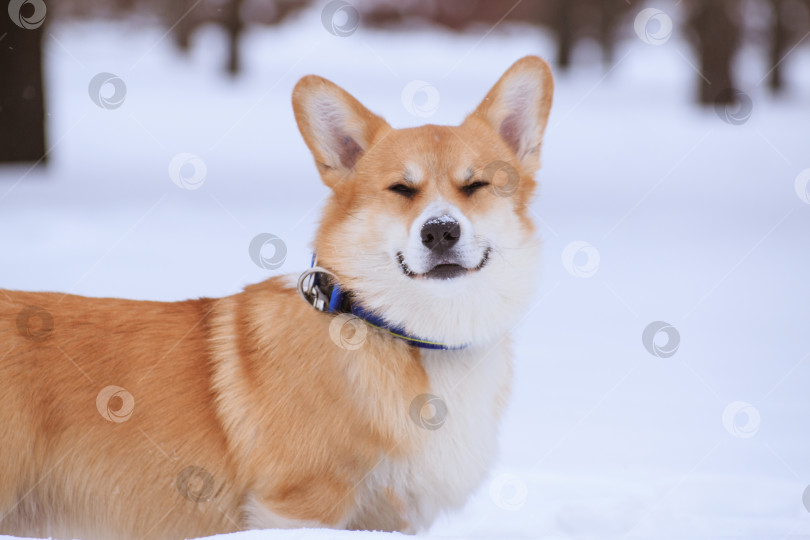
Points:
(677, 217)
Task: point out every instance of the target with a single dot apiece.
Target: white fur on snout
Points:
(467, 252)
(475, 308)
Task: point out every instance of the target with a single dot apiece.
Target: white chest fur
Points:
(458, 437)
(459, 447)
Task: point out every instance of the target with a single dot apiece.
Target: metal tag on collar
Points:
(311, 291)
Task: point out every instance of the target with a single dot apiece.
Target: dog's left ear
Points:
(336, 127)
(517, 108)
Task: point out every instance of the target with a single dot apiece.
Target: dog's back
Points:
(90, 389)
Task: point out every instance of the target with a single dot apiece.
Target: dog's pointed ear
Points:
(517, 108)
(337, 129)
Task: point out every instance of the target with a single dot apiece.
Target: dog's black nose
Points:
(440, 234)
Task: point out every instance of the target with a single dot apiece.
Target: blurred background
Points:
(663, 373)
(581, 31)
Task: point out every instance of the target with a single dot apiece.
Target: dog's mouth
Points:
(445, 269)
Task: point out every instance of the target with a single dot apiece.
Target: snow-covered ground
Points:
(695, 221)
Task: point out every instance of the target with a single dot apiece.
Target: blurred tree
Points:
(778, 42)
(22, 107)
(564, 26)
(571, 21)
(717, 34)
(184, 17)
(607, 29)
(234, 26)
(180, 16)
(789, 27)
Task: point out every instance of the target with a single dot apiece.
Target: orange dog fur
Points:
(132, 419)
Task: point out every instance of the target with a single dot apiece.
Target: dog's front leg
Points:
(294, 511)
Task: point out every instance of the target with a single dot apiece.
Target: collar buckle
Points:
(311, 291)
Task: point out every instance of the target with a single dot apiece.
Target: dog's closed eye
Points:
(404, 190)
(469, 189)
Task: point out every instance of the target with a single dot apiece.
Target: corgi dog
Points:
(362, 394)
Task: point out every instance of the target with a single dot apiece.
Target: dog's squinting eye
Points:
(404, 190)
(469, 189)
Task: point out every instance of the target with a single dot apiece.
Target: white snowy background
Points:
(696, 222)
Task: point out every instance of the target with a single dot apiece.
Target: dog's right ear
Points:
(517, 108)
(337, 129)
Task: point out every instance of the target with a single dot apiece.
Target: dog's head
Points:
(429, 227)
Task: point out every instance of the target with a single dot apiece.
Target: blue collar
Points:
(320, 288)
